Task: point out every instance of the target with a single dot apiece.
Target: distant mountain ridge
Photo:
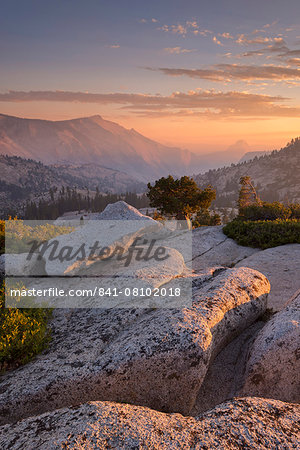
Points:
(276, 176)
(93, 140)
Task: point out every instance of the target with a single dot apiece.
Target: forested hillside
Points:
(276, 177)
(25, 179)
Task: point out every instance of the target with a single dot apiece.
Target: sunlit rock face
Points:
(241, 423)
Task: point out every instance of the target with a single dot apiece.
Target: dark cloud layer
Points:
(230, 72)
(200, 102)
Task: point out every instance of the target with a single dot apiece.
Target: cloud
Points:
(279, 46)
(234, 72)
(114, 46)
(269, 25)
(293, 61)
(179, 29)
(185, 28)
(292, 53)
(226, 36)
(277, 49)
(202, 103)
(203, 33)
(143, 20)
(258, 30)
(216, 41)
(175, 29)
(177, 50)
(192, 24)
(242, 39)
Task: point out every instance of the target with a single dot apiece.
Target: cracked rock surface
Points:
(273, 367)
(225, 376)
(241, 423)
(175, 360)
(211, 247)
(157, 358)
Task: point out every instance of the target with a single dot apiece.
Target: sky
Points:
(191, 73)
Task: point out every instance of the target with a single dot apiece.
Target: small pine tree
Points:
(247, 195)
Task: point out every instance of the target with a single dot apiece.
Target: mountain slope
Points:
(251, 155)
(276, 177)
(23, 179)
(93, 140)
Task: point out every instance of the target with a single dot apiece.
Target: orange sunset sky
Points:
(195, 74)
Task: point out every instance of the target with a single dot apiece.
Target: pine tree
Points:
(248, 195)
(179, 197)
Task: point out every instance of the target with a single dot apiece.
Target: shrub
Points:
(264, 234)
(19, 234)
(23, 333)
(2, 236)
(159, 217)
(205, 218)
(265, 211)
(295, 211)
